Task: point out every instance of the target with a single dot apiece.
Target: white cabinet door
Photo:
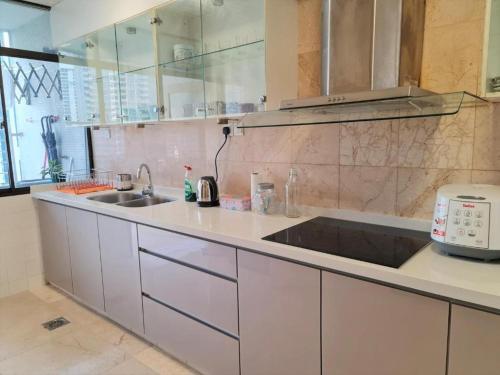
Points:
(56, 259)
(279, 306)
(120, 272)
(376, 330)
(474, 342)
(85, 257)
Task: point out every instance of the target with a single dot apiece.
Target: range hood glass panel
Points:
(377, 110)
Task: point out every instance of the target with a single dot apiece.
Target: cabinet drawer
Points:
(201, 347)
(204, 254)
(209, 298)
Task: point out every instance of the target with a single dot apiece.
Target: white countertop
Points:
(429, 271)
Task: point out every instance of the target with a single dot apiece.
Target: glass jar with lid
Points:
(264, 200)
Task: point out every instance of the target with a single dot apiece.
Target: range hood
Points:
(372, 59)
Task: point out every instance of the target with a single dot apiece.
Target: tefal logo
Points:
(469, 205)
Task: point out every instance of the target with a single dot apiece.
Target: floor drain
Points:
(55, 323)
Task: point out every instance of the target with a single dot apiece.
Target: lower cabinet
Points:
(377, 330)
(85, 254)
(55, 249)
(121, 274)
(474, 342)
(279, 306)
(201, 347)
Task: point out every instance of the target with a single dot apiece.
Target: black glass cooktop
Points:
(371, 243)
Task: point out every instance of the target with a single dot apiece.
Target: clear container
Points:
(292, 195)
(264, 200)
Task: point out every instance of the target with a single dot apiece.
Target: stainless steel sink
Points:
(145, 202)
(115, 197)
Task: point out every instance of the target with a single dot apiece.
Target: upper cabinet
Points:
(89, 70)
(137, 68)
(179, 50)
(183, 60)
(491, 52)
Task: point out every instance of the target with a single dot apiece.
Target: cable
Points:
(225, 130)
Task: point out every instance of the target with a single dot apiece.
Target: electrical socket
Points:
(236, 131)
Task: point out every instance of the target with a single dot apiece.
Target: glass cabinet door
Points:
(90, 67)
(79, 85)
(231, 23)
(137, 68)
(234, 55)
(180, 64)
(235, 80)
(183, 89)
(179, 31)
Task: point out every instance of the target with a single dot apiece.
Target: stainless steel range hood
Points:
(372, 59)
(372, 50)
(371, 44)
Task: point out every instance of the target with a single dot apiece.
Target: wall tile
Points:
(309, 72)
(318, 185)
(257, 145)
(309, 12)
(234, 177)
(486, 177)
(449, 12)
(368, 189)
(317, 144)
(438, 142)
(369, 143)
(452, 57)
(487, 138)
(416, 189)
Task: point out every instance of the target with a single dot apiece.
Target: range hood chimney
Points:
(371, 44)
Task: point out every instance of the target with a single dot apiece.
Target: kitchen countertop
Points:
(429, 271)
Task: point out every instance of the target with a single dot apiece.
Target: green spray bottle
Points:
(189, 192)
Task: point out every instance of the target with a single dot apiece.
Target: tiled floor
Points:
(90, 344)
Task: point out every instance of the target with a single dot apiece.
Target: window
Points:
(35, 147)
(25, 27)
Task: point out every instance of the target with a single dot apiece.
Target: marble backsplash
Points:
(391, 167)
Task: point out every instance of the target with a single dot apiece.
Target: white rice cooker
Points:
(467, 220)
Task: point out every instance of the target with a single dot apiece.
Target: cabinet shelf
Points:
(377, 110)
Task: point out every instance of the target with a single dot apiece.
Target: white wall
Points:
(73, 18)
(20, 250)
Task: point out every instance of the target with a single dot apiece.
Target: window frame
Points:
(32, 55)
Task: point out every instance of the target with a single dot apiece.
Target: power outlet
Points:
(236, 131)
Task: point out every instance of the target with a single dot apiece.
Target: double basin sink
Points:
(130, 199)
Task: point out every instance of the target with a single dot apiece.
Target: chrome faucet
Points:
(148, 189)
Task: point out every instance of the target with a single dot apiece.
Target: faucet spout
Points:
(147, 189)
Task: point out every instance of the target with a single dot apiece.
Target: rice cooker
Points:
(467, 220)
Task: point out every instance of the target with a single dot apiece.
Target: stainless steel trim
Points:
(387, 18)
(356, 97)
(326, 46)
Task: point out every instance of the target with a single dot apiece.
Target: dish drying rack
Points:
(83, 182)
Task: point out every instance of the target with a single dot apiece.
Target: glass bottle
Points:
(292, 195)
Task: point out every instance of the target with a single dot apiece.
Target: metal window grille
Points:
(29, 82)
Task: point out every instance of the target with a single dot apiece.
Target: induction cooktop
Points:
(383, 245)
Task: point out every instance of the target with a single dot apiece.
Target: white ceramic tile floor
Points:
(90, 344)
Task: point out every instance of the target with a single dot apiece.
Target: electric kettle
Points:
(208, 192)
